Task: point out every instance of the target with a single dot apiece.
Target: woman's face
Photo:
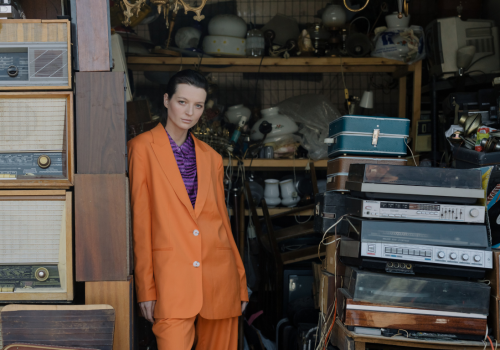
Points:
(186, 106)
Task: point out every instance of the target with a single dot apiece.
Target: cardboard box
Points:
(333, 264)
(494, 275)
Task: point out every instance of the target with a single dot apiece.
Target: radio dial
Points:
(477, 258)
(44, 161)
(474, 213)
(465, 257)
(453, 256)
(12, 71)
(441, 255)
(42, 274)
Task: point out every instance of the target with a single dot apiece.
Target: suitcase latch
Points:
(330, 140)
(317, 208)
(376, 133)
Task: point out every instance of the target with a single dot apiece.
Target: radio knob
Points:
(474, 213)
(42, 274)
(465, 257)
(441, 255)
(44, 161)
(12, 71)
(453, 256)
(477, 258)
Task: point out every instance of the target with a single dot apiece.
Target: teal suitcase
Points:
(368, 135)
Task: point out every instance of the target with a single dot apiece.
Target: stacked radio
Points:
(36, 161)
(411, 242)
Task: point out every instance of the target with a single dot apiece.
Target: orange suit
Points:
(185, 258)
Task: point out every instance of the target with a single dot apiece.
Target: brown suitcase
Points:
(20, 346)
(338, 169)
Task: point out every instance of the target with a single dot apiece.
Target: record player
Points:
(420, 184)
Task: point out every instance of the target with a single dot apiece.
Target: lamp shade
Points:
(367, 100)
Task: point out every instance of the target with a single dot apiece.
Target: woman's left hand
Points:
(243, 306)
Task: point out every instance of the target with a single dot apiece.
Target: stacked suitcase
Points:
(356, 139)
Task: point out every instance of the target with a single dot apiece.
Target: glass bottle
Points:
(255, 43)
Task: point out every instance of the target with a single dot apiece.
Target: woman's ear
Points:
(166, 100)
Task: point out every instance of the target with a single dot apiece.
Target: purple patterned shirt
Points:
(185, 155)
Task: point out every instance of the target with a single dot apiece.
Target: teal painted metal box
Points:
(368, 135)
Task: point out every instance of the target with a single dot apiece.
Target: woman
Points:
(187, 266)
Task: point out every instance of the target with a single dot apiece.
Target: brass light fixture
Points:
(164, 6)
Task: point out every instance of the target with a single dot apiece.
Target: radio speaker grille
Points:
(32, 124)
(49, 64)
(30, 231)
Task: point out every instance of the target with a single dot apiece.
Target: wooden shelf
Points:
(274, 211)
(278, 164)
(270, 64)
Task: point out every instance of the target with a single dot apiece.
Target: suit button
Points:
(196, 264)
(196, 232)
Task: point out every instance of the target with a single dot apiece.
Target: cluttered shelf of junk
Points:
(360, 145)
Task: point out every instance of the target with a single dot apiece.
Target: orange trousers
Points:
(179, 333)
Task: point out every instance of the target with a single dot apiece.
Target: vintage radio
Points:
(338, 169)
(445, 294)
(35, 54)
(417, 247)
(365, 314)
(415, 211)
(421, 184)
(36, 246)
(36, 139)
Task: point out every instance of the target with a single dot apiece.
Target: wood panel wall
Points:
(102, 228)
(100, 123)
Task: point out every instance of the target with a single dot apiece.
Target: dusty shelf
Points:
(278, 164)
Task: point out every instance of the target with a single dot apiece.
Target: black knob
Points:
(12, 71)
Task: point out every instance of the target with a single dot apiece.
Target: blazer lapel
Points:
(203, 169)
(165, 155)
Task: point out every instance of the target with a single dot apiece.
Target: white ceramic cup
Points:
(272, 189)
(287, 189)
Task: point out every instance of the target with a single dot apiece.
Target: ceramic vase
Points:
(289, 193)
(272, 193)
(234, 113)
(282, 125)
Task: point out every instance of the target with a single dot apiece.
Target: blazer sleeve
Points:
(141, 218)
(221, 203)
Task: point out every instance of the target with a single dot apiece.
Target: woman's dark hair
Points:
(187, 76)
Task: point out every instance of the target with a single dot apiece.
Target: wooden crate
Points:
(33, 125)
(36, 230)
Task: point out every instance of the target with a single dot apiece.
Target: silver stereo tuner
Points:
(415, 211)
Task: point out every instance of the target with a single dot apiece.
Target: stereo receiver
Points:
(415, 211)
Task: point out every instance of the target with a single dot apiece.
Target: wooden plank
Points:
(62, 325)
(402, 97)
(120, 295)
(340, 333)
(277, 164)
(100, 123)
(294, 231)
(303, 254)
(417, 99)
(101, 235)
(93, 35)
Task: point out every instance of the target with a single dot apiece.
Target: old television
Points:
(446, 35)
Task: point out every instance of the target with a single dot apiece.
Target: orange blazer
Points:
(185, 259)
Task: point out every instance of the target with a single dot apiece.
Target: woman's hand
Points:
(147, 309)
(243, 306)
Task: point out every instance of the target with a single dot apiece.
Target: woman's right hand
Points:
(147, 309)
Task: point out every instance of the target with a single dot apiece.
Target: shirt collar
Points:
(185, 148)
